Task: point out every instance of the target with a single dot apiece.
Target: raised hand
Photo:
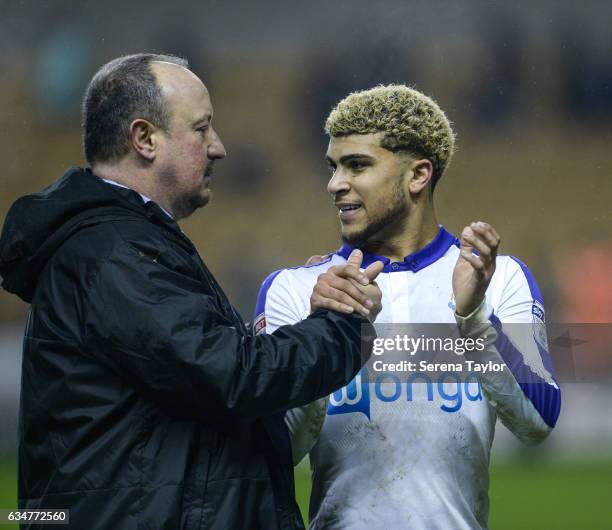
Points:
(347, 289)
(473, 273)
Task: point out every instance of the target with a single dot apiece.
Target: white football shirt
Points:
(400, 454)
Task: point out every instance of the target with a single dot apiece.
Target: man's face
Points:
(188, 150)
(369, 188)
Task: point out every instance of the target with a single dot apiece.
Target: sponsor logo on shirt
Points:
(355, 397)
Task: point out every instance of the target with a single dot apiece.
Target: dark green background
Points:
(524, 494)
(531, 495)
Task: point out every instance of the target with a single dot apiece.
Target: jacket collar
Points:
(144, 198)
(149, 208)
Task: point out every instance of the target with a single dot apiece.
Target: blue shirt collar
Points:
(413, 262)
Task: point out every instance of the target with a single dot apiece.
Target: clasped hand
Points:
(347, 289)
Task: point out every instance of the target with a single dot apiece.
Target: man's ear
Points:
(422, 171)
(143, 138)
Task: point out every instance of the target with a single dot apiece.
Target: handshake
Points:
(347, 289)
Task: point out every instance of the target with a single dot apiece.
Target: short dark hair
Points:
(123, 90)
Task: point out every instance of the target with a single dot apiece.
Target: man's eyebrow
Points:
(348, 158)
(207, 118)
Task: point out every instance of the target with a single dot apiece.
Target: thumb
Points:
(374, 269)
(355, 258)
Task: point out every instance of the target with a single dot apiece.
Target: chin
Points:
(189, 205)
(355, 238)
(205, 198)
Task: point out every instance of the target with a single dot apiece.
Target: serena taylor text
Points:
(424, 366)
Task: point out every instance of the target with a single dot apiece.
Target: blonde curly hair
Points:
(411, 121)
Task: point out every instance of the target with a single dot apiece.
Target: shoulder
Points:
(293, 284)
(514, 292)
(301, 275)
(516, 274)
(117, 241)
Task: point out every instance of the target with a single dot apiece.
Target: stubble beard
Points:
(184, 203)
(396, 212)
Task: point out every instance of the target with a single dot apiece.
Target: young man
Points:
(395, 454)
(144, 401)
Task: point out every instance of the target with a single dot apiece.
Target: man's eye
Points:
(357, 166)
(332, 169)
(202, 129)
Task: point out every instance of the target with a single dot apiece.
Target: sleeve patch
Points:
(260, 323)
(537, 310)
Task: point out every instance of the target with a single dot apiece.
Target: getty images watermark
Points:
(425, 346)
(530, 351)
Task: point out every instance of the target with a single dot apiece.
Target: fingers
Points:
(319, 302)
(349, 272)
(474, 260)
(477, 243)
(483, 238)
(341, 292)
(488, 234)
(332, 292)
(358, 302)
(374, 293)
(356, 258)
(373, 270)
(349, 288)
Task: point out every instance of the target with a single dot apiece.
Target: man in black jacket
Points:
(145, 402)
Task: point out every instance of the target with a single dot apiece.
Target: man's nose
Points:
(216, 149)
(337, 183)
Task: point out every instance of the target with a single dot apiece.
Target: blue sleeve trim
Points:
(533, 286)
(545, 398)
(537, 296)
(260, 306)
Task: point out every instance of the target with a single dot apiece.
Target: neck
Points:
(138, 179)
(417, 231)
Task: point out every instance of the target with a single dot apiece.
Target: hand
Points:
(373, 292)
(346, 289)
(472, 273)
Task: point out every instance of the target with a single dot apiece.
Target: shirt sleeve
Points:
(163, 332)
(279, 304)
(525, 394)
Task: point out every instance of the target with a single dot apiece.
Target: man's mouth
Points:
(348, 210)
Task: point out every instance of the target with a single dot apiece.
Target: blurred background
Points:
(527, 86)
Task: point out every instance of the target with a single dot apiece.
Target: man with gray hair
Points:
(145, 403)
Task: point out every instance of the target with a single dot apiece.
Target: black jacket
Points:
(145, 404)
